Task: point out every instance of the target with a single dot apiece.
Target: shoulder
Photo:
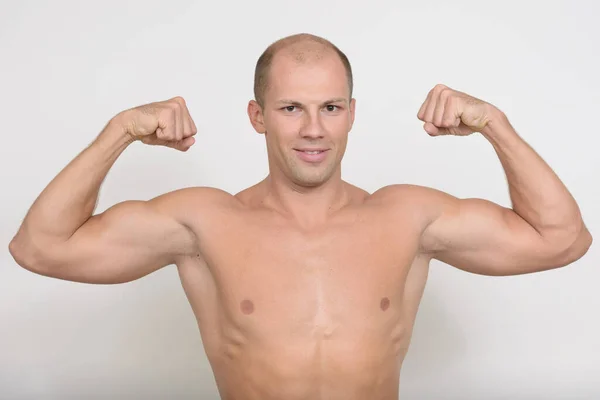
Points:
(193, 201)
(202, 194)
(407, 193)
(422, 202)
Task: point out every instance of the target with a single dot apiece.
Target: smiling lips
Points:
(311, 155)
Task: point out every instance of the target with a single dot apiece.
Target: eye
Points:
(332, 108)
(289, 108)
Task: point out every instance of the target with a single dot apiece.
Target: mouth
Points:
(311, 151)
(312, 155)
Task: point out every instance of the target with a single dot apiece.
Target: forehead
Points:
(296, 74)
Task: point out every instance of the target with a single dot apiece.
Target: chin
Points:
(309, 183)
(312, 178)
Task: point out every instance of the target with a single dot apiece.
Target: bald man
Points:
(304, 286)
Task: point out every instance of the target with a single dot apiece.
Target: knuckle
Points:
(445, 94)
(170, 104)
(439, 87)
(178, 102)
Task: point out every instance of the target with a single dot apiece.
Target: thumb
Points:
(459, 130)
(181, 145)
(433, 130)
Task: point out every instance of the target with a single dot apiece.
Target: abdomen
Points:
(331, 370)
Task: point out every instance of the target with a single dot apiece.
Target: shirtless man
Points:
(304, 286)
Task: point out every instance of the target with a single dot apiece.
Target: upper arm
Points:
(479, 236)
(482, 237)
(126, 242)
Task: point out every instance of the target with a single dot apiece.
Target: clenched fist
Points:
(449, 112)
(166, 123)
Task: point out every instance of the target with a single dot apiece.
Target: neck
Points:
(307, 206)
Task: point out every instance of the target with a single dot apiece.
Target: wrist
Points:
(497, 126)
(115, 135)
(121, 123)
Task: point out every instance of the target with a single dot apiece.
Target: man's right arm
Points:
(126, 242)
(61, 238)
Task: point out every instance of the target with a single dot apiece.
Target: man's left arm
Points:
(543, 230)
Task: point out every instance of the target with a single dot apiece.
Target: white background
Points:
(66, 67)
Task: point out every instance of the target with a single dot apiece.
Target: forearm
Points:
(536, 192)
(70, 198)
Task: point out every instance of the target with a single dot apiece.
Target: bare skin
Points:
(303, 285)
(313, 310)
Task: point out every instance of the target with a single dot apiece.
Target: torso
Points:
(287, 313)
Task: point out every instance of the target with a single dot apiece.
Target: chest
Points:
(345, 275)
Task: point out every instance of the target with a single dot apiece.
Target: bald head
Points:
(302, 48)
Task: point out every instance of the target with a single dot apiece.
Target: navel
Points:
(384, 304)
(247, 306)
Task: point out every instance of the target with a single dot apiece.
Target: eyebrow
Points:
(297, 103)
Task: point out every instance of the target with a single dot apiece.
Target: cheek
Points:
(338, 128)
(286, 129)
(338, 123)
(281, 124)
(278, 135)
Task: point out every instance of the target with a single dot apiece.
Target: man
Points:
(304, 286)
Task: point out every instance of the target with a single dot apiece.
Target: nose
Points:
(312, 127)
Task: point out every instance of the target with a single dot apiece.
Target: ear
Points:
(256, 117)
(352, 110)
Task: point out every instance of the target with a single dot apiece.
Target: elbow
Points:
(582, 243)
(19, 253)
(27, 255)
(585, 240)
(574, 248)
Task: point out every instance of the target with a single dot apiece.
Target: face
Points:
(306, 118)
